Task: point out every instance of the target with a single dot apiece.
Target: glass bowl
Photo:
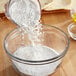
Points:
(72, 30)
(50, 50)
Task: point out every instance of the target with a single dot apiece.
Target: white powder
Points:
(35, 34)
(36, 53)
(25, 12)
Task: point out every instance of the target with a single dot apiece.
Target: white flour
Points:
(36, 53)
(25, 12)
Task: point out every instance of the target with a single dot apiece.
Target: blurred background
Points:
(47, 4)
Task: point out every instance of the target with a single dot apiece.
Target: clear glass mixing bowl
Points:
(51, 37)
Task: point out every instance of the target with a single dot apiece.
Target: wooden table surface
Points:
(60, 19)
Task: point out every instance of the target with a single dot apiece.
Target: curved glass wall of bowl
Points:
(72, 30)
(72, 26)
(23, 12)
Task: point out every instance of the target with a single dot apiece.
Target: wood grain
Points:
(59, 19)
